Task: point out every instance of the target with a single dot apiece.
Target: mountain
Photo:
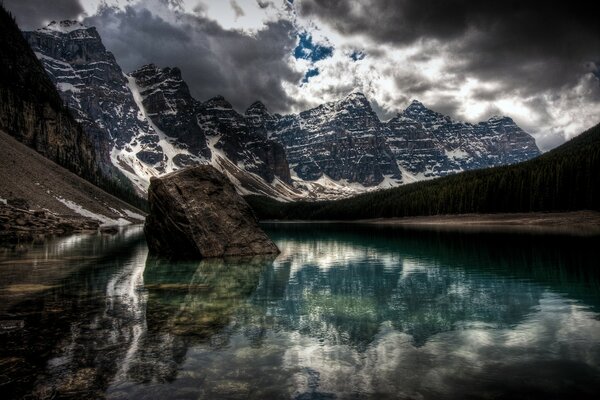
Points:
(33, 112)
(147, 124)
(344, 140)
(457, 146)
(49, 165)
(210, 132)
(94, 87)
(564, 179)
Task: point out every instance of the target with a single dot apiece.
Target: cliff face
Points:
(343, 140)
(32, 111)
(91, 84)
(167, 102)
(204, 128)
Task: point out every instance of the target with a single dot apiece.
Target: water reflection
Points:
(344, 312)
(187, 304)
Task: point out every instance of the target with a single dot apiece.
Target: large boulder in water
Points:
(196, 212)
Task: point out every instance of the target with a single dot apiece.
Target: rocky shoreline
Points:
(20, 225)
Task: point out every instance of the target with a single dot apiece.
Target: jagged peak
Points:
(218, 101)
(416, 105)
(65, 26)
(146, 67)
(416, 108)
(257, 108)
(356, 94)
(145, 73)
(355, 99)
(498, 118)
(153, 70)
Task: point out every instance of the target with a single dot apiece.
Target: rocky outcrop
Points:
(196, 213)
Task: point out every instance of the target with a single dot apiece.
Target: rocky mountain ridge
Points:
(33, 112)
(147, 123)
(153, 126)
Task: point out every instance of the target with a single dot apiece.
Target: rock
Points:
(150, 157)
(23, 226)
(18, 202)
(196, 212)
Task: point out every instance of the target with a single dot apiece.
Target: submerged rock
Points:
(196, 212)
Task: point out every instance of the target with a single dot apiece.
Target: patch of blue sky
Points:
(309, 50)
(357, 55)
(309, 74)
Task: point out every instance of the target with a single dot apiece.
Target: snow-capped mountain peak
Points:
(218, 102)
(354, 100)
(257, 109)
(501, 119)
(66, 26)
(417, 109)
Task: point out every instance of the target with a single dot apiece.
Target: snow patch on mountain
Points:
(67, 26)
(104, 220)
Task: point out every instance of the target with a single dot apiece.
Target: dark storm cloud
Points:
(214, 61)
(33, 14)
(528, 45)
(412, 83)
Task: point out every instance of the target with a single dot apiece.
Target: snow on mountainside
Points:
(148, 124)
(342, 140)
(497, 141)
(91, 83)
(346, 140)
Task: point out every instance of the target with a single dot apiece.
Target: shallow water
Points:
(345, 311)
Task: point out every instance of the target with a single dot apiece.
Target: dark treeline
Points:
(565, 179)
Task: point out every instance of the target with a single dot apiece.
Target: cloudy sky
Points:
(470, 59)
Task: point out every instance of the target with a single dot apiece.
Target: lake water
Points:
(346, 311)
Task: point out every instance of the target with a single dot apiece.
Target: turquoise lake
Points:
(344, 312)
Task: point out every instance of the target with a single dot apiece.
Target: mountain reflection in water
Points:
(345, 311)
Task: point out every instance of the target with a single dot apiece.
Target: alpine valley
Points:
(146, 123)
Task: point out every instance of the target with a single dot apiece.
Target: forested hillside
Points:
(565, 179)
